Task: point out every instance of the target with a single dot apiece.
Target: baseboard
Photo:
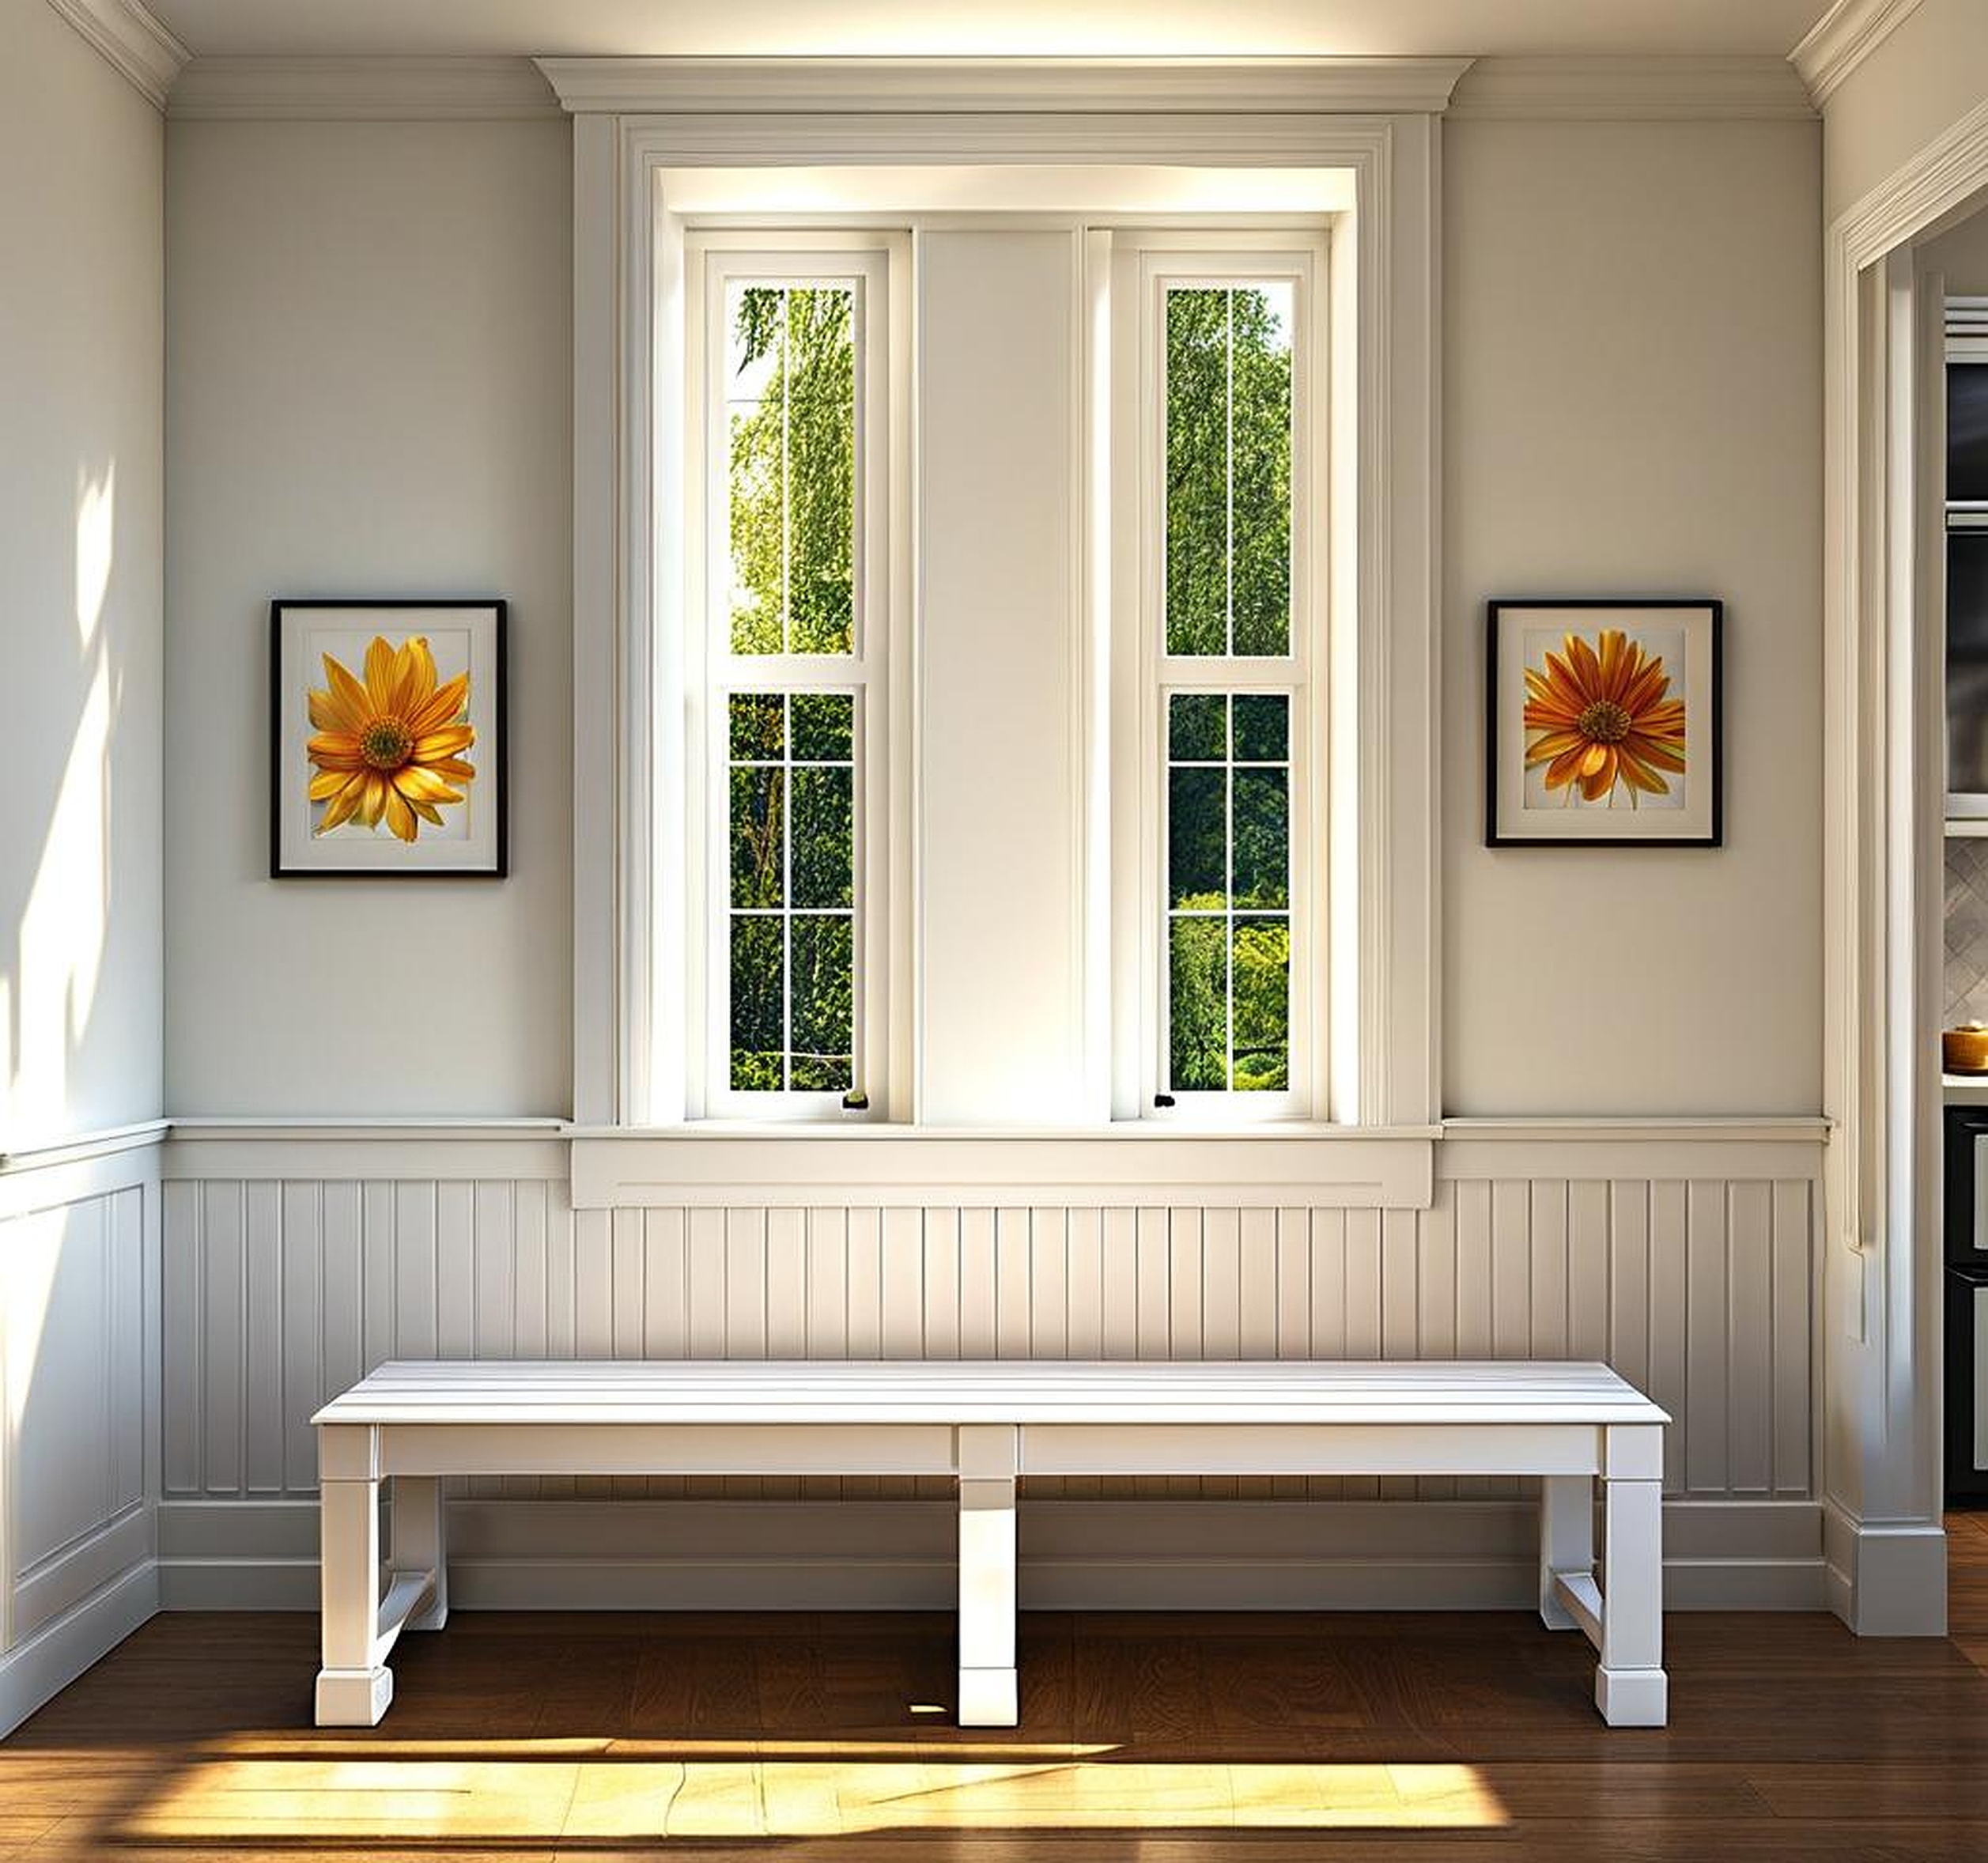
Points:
(42, 1665)
(1092, 1555)
(1885, 1578)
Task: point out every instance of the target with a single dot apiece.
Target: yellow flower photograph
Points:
(1600, 718)
(389, 746)
(1603, 723)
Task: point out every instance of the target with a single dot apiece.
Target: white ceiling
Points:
(1016, 28)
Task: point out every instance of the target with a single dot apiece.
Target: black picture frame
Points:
(1500, 834)
(493, 760)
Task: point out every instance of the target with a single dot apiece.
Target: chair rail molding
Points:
(1883, 727)
(134, 40)
(635, 121)
(1842, 39)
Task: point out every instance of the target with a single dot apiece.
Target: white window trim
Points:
(636, 119)
(714, 258)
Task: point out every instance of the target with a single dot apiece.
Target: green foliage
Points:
(793, 846)
(1228, 471)
(1229, 864)
(792, 472)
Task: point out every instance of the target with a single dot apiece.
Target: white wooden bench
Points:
(986, 1425)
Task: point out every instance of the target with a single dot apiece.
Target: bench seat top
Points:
(524, 1392)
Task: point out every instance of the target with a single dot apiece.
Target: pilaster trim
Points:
(1842, 39)
(133, 39)
(975, 86)
(1631, 89)
(361, 90)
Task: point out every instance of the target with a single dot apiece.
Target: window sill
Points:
(1131, 1164)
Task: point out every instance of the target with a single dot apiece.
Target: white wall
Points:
(81, 465)
(1632, 375)
(1924, 76)
(369, 372)
(81, 344)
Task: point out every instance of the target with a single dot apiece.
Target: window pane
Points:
(824, 727)
(1197, 839)
(1263, 727)
(1261, 838)
(758, 855)
(1260, 467)
(755, 395)
(1228, 393)
(791, 782)
(1197, 728)
(758, 730)
(1262, 1014)
(824, 855)
(824, 1002)
(759, 1005)
(1229, 862)
(791, 413)
(1197, 546)
(1198, 1005)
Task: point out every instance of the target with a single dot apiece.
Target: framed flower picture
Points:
(1603, 724)
(387, 730)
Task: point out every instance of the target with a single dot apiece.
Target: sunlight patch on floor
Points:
(546, 1796)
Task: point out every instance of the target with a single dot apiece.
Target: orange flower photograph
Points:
(1604, 722)
(385, 753)
(1600, 719)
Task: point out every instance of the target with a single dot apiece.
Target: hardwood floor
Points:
(1254, 1739)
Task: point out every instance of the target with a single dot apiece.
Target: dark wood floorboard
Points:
(824, 1739)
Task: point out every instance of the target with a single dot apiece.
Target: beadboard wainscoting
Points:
(1685, 1256)
(79, 1367)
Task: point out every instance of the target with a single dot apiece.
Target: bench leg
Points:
(354, 1685)
(1630, 1688)
(1566, 1540)
(986, 1475)
(420, 1542)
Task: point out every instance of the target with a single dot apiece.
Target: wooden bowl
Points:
(1964, 1050)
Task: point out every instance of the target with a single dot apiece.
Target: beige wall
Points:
(1632, 377)
(80, 323)
(1928, 74)
(370, 366)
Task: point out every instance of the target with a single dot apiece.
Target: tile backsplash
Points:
(1967, 940)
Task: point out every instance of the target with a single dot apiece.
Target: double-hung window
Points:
(786, 688)
(1207, 746)
(1220, 678)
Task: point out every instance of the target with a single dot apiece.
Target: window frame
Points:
(714, 259)
(1145, 264)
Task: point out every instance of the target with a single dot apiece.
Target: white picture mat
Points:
(1684, 637)
(461, 638)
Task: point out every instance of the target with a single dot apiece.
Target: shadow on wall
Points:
(54, 916)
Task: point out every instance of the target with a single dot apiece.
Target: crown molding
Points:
(135, 41)
(361, 90)
(973, 86)
(1631, 89)
(1842, 39)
